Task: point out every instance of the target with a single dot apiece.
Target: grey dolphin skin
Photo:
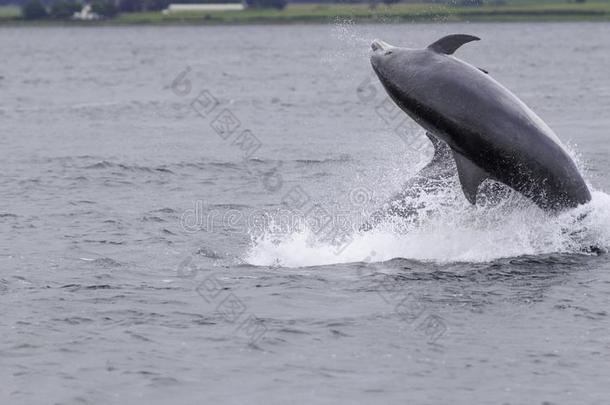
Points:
(489, 132)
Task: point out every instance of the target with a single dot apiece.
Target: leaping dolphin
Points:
(488, 130)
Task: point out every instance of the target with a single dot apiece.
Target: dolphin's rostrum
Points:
(490, 132)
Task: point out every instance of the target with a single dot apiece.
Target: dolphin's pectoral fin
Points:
(449, 44)
(471, 176)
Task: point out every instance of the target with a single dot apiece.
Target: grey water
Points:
(133, 159)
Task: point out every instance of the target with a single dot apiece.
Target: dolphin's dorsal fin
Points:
(449, 44)
(471, 176)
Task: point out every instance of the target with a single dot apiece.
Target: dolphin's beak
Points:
(379, 44)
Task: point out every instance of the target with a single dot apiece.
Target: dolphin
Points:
(473, 120)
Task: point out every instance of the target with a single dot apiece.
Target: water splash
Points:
(457, 232)
(444, 227)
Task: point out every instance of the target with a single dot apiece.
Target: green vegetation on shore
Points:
(516, 10)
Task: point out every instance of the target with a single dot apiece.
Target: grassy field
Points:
(515, 10)
(9, 12)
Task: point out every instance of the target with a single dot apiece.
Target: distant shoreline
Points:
(361, 13)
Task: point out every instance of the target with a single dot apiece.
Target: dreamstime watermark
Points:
(412, 310)
(280, 221)
(407, 130)
(407, 306)
(225, 123)
(229, 128)
(233, 310)
(333, 225)
(227, 304)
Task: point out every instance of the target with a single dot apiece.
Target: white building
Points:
(179, 8)
(86, 14)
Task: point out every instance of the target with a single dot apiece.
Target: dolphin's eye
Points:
(388, 52)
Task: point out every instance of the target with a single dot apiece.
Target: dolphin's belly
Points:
(484, 121)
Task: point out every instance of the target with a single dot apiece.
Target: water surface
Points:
(129, 276)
